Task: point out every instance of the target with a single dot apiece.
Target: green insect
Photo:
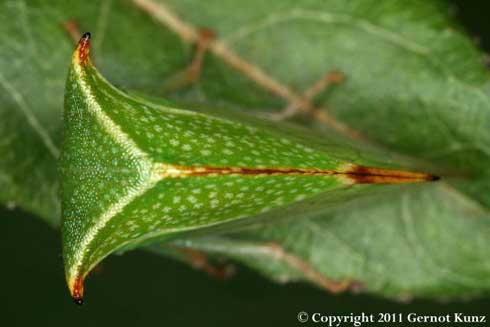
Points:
(134, 171)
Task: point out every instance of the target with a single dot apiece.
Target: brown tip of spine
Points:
(83, 48)
(77, 291)
(370, 175)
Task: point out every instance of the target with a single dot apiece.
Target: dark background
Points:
(141, 289)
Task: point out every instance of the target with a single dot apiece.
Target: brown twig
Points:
(199, 260)
(275, 252)
(71, 27)
(321, 85)
(192, 73)
(278, 252)
(190, 34)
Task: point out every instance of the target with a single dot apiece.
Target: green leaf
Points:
(415, 84)
(133, 170)
(403, 249)
(36, 52)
